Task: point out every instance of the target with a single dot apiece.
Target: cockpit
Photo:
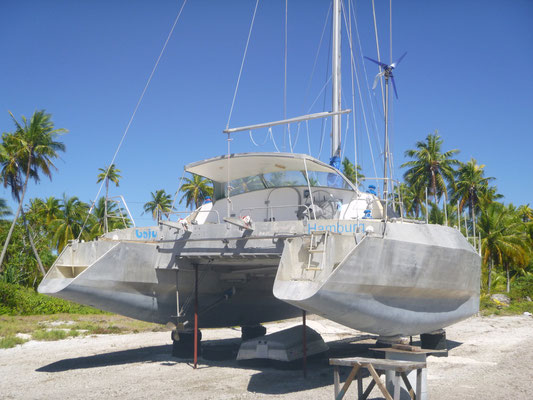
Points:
(280, 187)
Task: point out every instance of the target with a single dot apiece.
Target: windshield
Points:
(286, 179)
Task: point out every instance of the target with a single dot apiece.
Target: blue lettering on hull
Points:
(336, 228)
(145, 234)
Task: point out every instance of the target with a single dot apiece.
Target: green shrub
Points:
(521, 288)
(19, 300)
(42, 334)
(11, 341)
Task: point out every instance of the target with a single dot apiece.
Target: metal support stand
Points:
(195, 316)
(304, 343)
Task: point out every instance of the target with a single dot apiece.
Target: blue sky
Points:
(86, 62)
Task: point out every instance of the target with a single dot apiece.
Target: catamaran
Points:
(282, 233)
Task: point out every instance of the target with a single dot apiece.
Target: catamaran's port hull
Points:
(414, 279)
(139, 279)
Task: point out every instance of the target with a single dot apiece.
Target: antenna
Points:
(387, 73)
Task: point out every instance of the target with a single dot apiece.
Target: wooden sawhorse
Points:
(373, 365)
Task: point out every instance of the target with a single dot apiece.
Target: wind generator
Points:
(387, 73)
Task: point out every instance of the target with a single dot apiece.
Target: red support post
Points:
(304, 343)
(195, 316)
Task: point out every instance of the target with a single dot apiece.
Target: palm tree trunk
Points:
(105, 205)
(508, 280)
(434, 187)
(473, 220)
(446, 207)
(32, 244)
(489, 283)
(4, 250)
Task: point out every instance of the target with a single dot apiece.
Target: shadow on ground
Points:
(271, 378)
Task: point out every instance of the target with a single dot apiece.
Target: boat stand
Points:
(376, 367)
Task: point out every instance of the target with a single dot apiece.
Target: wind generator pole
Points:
(336, 86)
(386, 145)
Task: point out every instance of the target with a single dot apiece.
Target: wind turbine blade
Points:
(376, 79)
(399, 60)
(377, 62)
(394, 86)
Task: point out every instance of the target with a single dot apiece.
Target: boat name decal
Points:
(336, 228)
(143, 234)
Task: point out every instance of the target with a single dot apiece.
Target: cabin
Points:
(280, 187)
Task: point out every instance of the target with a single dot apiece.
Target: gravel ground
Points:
(490, 358)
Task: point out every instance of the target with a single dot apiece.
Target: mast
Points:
(336, 85)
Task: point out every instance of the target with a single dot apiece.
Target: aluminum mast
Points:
(336, 85)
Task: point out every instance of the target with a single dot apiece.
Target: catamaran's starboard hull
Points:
(414, 279)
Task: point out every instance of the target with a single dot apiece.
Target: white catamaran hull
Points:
(413, 279)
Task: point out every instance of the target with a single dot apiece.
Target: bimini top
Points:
(248, 164)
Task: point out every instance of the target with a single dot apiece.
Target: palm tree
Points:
(115, 216)
(68, 224)
(11, 172)
(353, 174)
(110, 173)
(413, 199)
(431, 167)
(49, 209)
(5, 211)
(196, 190)
(504, 238)
(160, 204)
(469, 186)
(30, 151)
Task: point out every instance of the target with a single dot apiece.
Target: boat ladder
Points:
(314, 247)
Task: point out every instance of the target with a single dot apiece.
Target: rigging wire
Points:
(242, 64)
(177, 191)
(390, 30)
(371, 98)
(273, 140)
(319, 94)
(361, 101)
(345, 137)
(377, 48)
(324, 120)
(316, 57)
(353, 96)
(285, 69)
(308, 140)
(322, 136)
(297, 135)
(133, 114)
(285, 77)
(253, 141)
(391, 110)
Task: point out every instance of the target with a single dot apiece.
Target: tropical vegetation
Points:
(195, 191)
(159, 205)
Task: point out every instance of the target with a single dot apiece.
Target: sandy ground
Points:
(490, 358)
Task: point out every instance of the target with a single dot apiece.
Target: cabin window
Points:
(286, 179)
